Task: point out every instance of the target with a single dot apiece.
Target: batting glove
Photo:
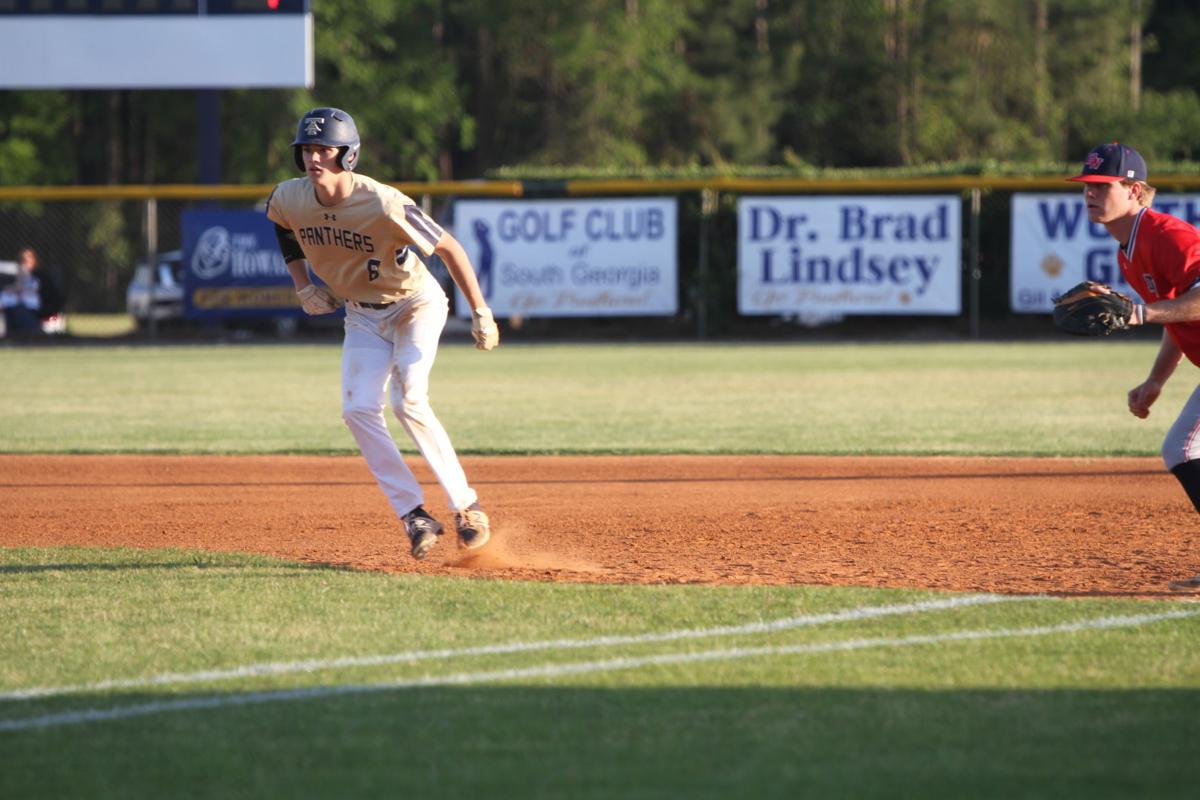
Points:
(317, 300)
(483, 328)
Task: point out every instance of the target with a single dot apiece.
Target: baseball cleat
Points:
(1192, 583)
(422, 530)
(474, 530)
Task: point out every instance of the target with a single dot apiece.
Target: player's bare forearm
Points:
(459, 264)
(298, 269)
(1166, 361)
(1144, 395)
(1185, 308)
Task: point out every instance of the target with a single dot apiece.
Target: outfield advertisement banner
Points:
(850, 255)
(572, 258)
(1054, 246)
(233, 268)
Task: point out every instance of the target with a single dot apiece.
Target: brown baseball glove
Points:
(1092, 309)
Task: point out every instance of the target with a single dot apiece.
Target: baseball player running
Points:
(1160, 258)
(364, 240)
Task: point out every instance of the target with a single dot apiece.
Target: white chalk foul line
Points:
(316, 665)
(562, 670)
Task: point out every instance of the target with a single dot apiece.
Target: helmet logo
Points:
(312, 125)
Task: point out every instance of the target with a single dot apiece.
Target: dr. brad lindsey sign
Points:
(849, 255)
(570, 258)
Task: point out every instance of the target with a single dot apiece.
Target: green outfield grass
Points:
(100, 326)
(861, 706)
(1056, 398)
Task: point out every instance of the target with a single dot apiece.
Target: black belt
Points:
(374, 305)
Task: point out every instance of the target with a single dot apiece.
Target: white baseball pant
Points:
(1182, 442)
(394, 348)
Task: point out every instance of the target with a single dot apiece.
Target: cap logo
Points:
(1093, 161)
(1129, 173)
(312, 125)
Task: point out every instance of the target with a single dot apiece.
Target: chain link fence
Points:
(93, 246)
(95, 242)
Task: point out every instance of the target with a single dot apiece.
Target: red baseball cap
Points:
(1113, 162)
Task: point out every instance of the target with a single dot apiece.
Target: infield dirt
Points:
(1114, 527)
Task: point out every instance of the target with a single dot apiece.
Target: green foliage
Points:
(981, 167)
(541, 90)
(383, 62)
(840, 109)
(463, 88)
(106, 234)
(739, 74)
(1159, 127)
(32, 124)
(1170, 61)
(259, 126)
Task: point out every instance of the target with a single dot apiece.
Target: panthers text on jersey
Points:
(365, 247)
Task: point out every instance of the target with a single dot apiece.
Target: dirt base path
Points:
(981, 524)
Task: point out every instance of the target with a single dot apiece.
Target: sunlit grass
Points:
(961, 398)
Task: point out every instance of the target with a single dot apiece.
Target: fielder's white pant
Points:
(1182, 442)
(397, 345)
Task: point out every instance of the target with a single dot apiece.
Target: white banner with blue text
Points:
(1054, 246)
(850, 255)
(572, 258)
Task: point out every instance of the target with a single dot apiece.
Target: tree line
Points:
(464, 89)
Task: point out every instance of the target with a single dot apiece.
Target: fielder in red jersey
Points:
(1161, 260)
(1159, 256)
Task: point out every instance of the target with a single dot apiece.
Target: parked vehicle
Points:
(163, 291)
(158, 291)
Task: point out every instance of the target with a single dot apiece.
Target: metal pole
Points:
(208, 114)
(708, 205)
(973, 266)
(152, 260)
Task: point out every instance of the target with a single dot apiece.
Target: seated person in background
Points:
(22, 299)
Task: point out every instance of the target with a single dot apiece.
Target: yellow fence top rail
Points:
(957, 183)
(251, 192)
(584, 188)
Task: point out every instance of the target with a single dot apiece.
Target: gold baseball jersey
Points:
(365, 246)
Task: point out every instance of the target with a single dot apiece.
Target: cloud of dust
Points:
(510, 547)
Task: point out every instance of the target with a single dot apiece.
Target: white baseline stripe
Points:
(561, 670)
(315, 665)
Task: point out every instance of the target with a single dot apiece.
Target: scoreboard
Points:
(155, 44)
(195, 7)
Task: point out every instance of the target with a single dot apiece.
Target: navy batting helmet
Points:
(330, 127)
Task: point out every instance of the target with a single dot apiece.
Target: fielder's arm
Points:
(1142, 396)
(1184, 308)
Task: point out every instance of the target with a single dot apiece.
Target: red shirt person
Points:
(1159, 256)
